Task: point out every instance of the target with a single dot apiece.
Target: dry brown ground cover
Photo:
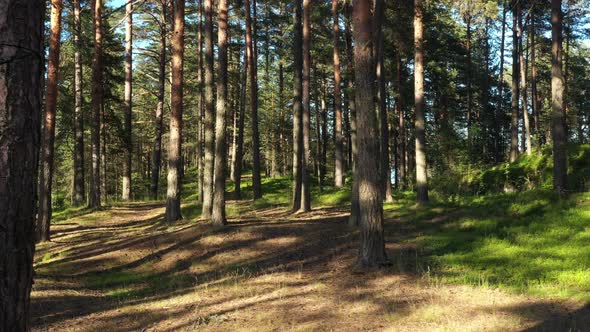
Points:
(123, 269)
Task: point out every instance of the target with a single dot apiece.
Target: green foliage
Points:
(528, 172)
(529, 242)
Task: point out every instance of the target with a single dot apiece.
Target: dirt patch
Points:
(126, 270)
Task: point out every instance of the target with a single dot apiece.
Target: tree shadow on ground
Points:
(294, 268)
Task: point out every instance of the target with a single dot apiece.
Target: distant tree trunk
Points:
(354, 219)
(372, 249)
(498, 146)
(201, 116)
(339, 139)
(97, 91)
(515, 92)
(324, 138)
(468, 76)
(209, 114)
(305, 117)
(401, 127)
(421, 166)
(297, 104)
(523, 86)
(253, 68)
(21, 81)
(157, 150)
(79, 195)
(557, 91)
(535, 94)
(218, 214)
(173, 212)
(47, 149)
(237, 174)
(126, 185)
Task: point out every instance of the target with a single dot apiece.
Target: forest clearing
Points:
(278, 165)
(124, 269)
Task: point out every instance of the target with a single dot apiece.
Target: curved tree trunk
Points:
(218, 214)
(421, 176)
(97, 92)
(21, 80)
(79, 192)
(372, 249)
(173, 212)
(47, 149)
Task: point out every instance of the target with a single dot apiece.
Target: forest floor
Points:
(455, 267)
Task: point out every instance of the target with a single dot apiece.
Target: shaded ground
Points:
(123, 269)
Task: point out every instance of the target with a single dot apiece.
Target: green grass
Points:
(530, 242)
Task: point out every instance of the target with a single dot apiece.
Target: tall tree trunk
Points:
(97, 92)
(237, 174)
(47, 149)
(523, 86)
(209, 114)
(401, 126)
(420, 124)
(468, 76)
(218, 214)
(323, 142)
(201, 116)
(157, 149)
(252, 67)
(354, 219)
(372, 249)
(126, 185)
(173, 212)
(384, 168)
(297, 104)
(515, 92)
(339, 139)
(558, 131)
(305, 116)
(79, 195)
(21, 80)
(535, 94)
(498, 146)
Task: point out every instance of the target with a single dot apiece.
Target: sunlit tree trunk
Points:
(209, 118)
(557, 91)
(218, 214)
(421, 166)
(237, 174)
(252, 67)
(21, 72)
(79, 192)
(305, 116)
(173, 212)
(523, 86)
(536, 102)
(372, 249)
(338, 138)
(157, 149)
(126, 185)
(97, 91)
(498, 137)
(297, 104)
(47, 148)
(515, 88)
